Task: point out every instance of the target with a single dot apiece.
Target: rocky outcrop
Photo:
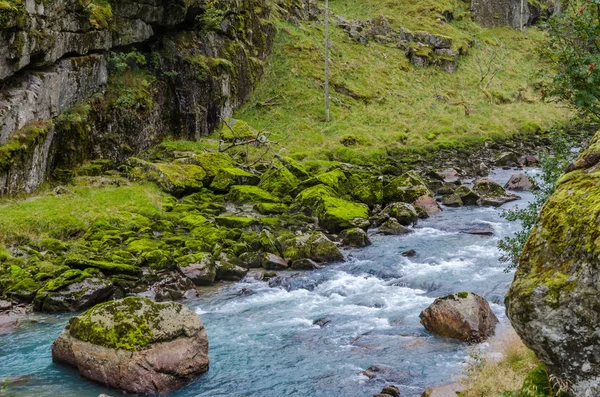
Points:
(198, 63)
(422, 48)
(492, 13)
(135, 345)
(464, 316)
(553, 300)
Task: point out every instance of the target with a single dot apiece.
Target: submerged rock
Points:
(322, 322)
(135, 345)
(389, 391)
(464, 316)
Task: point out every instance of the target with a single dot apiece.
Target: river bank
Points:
(263, 341)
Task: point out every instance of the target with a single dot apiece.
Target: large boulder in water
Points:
(135, 345)
(519, 182)
(554, 299)
(464, 316)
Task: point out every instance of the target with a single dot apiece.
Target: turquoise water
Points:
(265, 344)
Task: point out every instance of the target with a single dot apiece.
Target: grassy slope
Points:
(406, 107)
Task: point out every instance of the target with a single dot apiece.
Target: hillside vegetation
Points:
(381, 102)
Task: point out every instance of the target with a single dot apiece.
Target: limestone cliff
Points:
(554, 300)
(491, 13)
(198, 61)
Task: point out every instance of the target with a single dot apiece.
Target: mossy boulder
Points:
(279, 180)
(231, 176)
(273, 262)
(406, 188)
(201, 267)
(554, 298)
(366, 188)
(392, 227)
(251, 194)
(271, 208)
(355, 237)
(295, 167)
(466, 195)
(335, 179)
(135, 345)
(193, 221)
(108, 268)
(73, 291)
(233, 222)
(334, 214)
(404, 213)
(211, 163)
(491, 193)
(452, 200)
(176, 179)
(313, 245)
(229, 267)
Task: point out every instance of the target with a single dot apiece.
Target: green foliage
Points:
(98, 12)
(119, 62)
(574, 46)
(211, 18)
(553, 164)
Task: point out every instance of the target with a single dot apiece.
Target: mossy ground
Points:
(70, 215)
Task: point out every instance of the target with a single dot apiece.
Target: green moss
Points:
(406, 188)
(271, 208)
(463, 295)
(193, 221)
(279, 180)
(251, 194)
(208, 235)
(22, 142)
(335, 179)
(228, 177)
(177, 179)
(99, 13)
(77, 262)
(128, 324)
(12, 13)
(337, 214)
(235, 221)
(67, 278)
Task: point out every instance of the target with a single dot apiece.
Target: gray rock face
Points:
(464, 316)
(64, 66)
(74, 297)
(44, 94)
(491, 13)
(105, 345)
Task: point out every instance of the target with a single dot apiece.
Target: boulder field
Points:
(135, 345)
(217, 220)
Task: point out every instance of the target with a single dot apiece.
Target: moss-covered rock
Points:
(228, 177)
(313, 245)
(271, 208)
(355, 237)
(334, 179)
(295, 167)
(335, 214)
(201, 267)
(392, 227)
(72, 291)
(404, 213)
(366, 188)
(233, 222)
(176, 179)
(279, 180)
(406, 188)
(554, 298)
(211, 163)
(466, 195)
(229, 268)
(132, 324)
(108, 268)
(251, 194)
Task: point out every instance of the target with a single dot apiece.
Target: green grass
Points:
(396, 105)
(69, 215)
